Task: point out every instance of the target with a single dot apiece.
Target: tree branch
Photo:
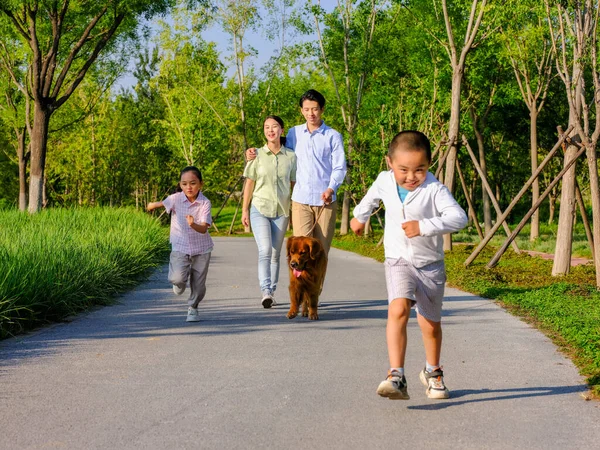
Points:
(81, 74)
(77, 47)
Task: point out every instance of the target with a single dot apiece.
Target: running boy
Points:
(190, 242)
(418, 211)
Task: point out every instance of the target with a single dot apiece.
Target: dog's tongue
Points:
(297, 272)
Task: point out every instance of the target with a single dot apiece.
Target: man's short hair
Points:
(410, 140)
(314, 96)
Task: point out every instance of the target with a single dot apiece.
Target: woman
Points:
(269, 179)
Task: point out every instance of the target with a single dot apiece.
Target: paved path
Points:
(137, 376)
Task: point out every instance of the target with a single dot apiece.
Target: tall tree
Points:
(65, 38)
(528, 49)
(458, 24)
(236, 17)
(353, 27)
(574, 32)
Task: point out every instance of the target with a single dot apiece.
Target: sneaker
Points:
(394, 387)
(192, 315)
(178, 290)
(267, 299)
(435, 384)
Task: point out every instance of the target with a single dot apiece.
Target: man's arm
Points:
(338, 163)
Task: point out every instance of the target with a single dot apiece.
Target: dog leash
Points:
(321, 209)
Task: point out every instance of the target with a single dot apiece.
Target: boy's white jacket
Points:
(431, 204)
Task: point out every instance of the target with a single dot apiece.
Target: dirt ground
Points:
(574, 261)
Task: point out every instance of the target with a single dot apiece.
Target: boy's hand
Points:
(357, 227)
(411, 228)
(190, 220)
(250, 154)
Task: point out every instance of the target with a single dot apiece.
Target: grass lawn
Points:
(58, 262)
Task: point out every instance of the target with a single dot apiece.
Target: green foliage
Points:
(62, 261)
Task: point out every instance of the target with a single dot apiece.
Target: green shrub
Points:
(61, 261)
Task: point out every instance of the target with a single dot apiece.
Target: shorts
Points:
(424, 286)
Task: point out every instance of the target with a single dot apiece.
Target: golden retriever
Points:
(307, 262)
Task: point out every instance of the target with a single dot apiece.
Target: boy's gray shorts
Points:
(424, 285)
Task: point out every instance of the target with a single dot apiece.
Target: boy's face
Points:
(190, 185)
(312, 112)
(409, 166)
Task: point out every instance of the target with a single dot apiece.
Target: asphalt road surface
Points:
(137, 376)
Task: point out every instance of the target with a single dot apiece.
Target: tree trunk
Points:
(453, 130)
(535, 187)
(595, 194)
(345, 219)
(487, 207)
(552, 204)
(23, 158)
(39, 142)
(564, 237)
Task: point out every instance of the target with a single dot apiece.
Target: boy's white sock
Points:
(400, 370)
(429, 368)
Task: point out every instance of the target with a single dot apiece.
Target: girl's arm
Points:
(201, 227)
(248, 191)
(153, 205)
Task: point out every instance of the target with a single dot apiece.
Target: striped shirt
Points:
(185, 239)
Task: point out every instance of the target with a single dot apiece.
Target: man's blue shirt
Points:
(321, 162)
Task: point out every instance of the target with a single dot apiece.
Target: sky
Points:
(257, 39)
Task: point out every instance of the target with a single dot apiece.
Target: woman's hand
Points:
(246, 218)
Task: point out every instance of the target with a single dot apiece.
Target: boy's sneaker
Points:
(178, 290)
(192, 315)
(435, 384)
(267, 299)
(394, 387)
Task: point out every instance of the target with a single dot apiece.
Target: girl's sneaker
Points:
(178, 290)
(434, 381)
(192, 315)
(394, 387)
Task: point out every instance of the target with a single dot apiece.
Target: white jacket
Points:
(431, 204)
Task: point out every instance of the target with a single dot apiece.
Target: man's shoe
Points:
(394, 387)
(267, 299)
(192, 315)
(178, 290)
(434, 381)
